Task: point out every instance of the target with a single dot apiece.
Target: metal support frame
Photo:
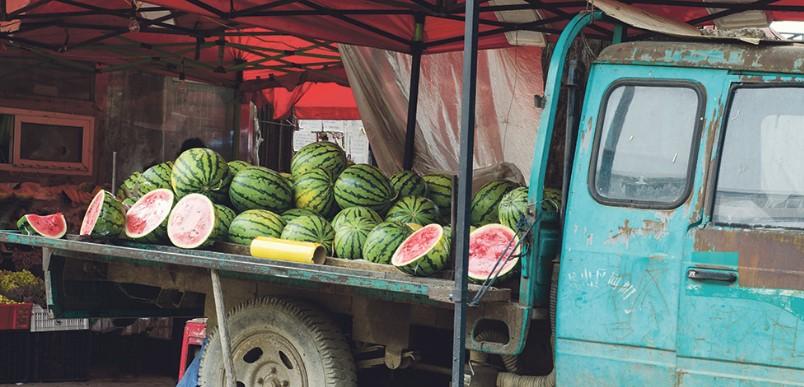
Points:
(461, 234)
(223, 329)
(413, 95)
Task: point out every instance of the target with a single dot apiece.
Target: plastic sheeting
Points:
(507, 118)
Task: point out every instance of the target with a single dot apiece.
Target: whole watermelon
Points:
(253, 223)
(350, 238)
(156, 177)
(314, 190)
(237, 166)
(310, 228)
(413, 209)
(363, 185)
(513, 206)
(486, 200)
(382, 241)
(408, 183)
(226, 216)
(325, 155)
(294, 213)
(198, 170)
(439, 190)
(260, 188)
(355, 214)
(130, 188)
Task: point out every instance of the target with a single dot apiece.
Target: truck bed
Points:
(232, 259)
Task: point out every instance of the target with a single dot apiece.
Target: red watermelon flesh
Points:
(148, 213)
(50, 226)
(192, 221)
(417, 244)
(486, 245)
(92, 214)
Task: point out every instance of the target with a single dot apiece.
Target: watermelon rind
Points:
(27, 224)
(504, 270)
(324, 154)
(130, 188)
(198, 170)
(294, 213)
(431, 261)
(486, 200)
(156, 177)
(512, 207)
(408, 183)
(356, 214)
(203, 240)
(314, 190)
(226, 216)
(363, 185)
(310, 228)
(259, 188)
(350, 238)
(383, 240)
(237, 166)
(110, 220)
(439, 190)
(253, 223)
(413, 209)
(157, 232)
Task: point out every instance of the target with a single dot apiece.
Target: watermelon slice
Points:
(486, 245)
(146, 220)
(49, 226)
(105, 216)
(424, 252)
(193, 222)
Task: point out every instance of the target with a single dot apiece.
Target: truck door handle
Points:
(711, 275)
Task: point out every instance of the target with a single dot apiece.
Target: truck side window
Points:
(645, 144)
(761, 178)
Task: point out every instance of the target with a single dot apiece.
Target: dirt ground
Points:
(103, 382)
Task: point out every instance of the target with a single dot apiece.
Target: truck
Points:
(676, 259)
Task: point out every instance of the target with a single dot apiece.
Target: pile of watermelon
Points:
(353, 210)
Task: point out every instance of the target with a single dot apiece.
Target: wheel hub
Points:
(268, 359)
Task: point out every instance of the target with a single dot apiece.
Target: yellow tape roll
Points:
(285, 250)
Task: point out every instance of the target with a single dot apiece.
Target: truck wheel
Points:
(280, 343)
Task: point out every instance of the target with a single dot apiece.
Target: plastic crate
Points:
(42, 322)
(61, 356)
(15, 356)
(15, 317)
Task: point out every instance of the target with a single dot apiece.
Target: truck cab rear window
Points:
(761, 178)
(645, 144)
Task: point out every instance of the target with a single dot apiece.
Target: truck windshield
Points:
(761, 178)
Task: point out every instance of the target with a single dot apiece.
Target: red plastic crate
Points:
(15, 317)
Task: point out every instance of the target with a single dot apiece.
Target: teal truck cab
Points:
(678, 259)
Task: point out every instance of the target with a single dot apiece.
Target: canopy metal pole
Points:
(413, 95)
(464, 189)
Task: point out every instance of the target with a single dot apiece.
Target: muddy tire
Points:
(277, 342)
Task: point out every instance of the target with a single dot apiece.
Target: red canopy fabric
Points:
(327, 101)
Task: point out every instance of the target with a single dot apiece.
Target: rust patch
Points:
(712, 133)
(650, 227)
(767, 258)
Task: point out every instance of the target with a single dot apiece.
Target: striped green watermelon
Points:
(260, 188)
(237, 166)
(487, 245)
(287, 176)
(130, 188)
(48, 226)
(551, 199)
(221, 195)
(439, 190)
(325, 155)
(310, 228)
(294, 213)
(408, 183)
(156, 177)
(513, 206)
(363, 185)
(128, 202)
(105, 217)
(314, 190)
(413, 209)
(350, 238)
(486, 200)
(226, 216)
(198, 170)
(356, 215)
(193, 222)
(146, 220)
(383, 240)
(424, 252)
(253, 223)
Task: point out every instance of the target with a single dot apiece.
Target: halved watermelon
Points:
(424, 252)
(193, 222)
(486, 245)
(49, 226)
(105, 216)
(146, 220)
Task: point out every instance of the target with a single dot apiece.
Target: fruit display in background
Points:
(363, 185)
(237, 166)
(486, 200)
(424, 252)
(513, 206)
(156, 177)
(439, 190)
(408, 183)
(413, 209)
(253, 223)
(198, 170)
(260, 188)
(324, 155)
(49, 226)
(130, 188)
(104, 218)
